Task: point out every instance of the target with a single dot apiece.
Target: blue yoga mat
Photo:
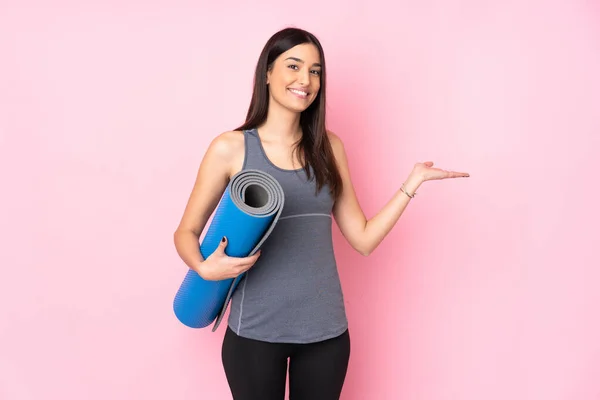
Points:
(246, 214)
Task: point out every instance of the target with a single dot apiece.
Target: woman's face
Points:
(295, 77)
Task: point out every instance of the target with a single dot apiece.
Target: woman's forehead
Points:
(304, 53)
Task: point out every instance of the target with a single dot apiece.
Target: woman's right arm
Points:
(222, 160)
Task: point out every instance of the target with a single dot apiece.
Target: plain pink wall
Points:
(486, 289)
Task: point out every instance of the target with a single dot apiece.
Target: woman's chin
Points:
(298, 107)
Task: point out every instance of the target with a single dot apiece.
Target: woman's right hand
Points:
(219, 266)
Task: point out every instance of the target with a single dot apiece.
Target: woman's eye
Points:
(314, 71)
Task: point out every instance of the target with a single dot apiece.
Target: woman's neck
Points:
(281, 125)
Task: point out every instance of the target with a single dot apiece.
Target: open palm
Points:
(426, 171)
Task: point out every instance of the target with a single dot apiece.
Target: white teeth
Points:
(299, 92)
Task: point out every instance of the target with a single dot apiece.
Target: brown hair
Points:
(314, 147)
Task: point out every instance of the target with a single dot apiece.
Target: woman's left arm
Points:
(363, 234)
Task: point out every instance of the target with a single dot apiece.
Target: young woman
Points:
(290, 303)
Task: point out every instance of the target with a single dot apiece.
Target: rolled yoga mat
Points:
(246, 214)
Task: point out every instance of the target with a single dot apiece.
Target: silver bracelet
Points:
(406, 193)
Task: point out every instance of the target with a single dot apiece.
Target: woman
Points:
(290, 303)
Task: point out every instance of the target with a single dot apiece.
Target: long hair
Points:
(313, 148)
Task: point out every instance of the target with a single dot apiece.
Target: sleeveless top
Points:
(292, 294)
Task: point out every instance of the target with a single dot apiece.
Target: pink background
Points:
(486, 289)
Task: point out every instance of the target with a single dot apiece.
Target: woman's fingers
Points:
(454, 174)
(242, 264)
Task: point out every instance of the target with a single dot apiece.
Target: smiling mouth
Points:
(299, 93)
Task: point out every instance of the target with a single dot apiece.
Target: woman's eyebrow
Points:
(301, 61)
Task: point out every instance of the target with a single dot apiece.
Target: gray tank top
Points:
(292, 294)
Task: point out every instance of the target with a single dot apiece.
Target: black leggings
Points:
(257, 370)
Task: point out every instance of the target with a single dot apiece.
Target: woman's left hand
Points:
(426, 172)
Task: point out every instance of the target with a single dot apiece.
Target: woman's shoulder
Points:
(228, 147)
(228, 144)
(336, 142)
